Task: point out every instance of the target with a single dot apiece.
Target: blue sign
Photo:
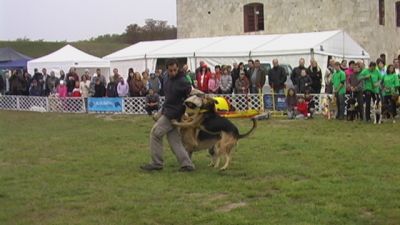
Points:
(105, 104)
(280, 100)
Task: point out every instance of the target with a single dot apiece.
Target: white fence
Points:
(135, 105)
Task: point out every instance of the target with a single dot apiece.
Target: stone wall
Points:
(359, 18)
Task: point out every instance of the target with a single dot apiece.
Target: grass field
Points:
(37, 49)
(84, 169)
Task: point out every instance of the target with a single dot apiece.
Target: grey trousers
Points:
(161, 128)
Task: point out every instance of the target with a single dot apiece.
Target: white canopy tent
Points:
(287, 48)
(67, 57)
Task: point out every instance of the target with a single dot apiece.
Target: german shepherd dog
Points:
(329, 107)
(202, 128)
(352, 113)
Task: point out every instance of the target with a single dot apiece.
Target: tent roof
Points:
(335, 43)
(9, 54)
(72, 55)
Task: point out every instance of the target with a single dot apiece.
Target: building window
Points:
(398, 14)
(253, 17)
(381, 12)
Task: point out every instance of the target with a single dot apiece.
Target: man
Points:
(188, 75)
(339, 89)
(159, 75)
(257, 78)
(370, 77)
(356, 88)
(51, 83)
(122, 88)
(176, 90)
(250, 68)
(396, 63)
(328, 76)
(235, 73)
(116, 75)
(296, 73)
(111, 90)
(198, 70)
(152, 102)
(154, 83)
(277, 77)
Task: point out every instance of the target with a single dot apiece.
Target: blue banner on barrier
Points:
(280, 102)
(105, 104)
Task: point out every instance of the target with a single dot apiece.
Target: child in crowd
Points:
(302, 109)
(310, 102)
(291, 101)
(76, 92)
(213, 84)
(62, 89)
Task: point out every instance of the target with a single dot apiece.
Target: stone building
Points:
(375, 24)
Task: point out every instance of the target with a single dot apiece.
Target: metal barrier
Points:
(133, 105)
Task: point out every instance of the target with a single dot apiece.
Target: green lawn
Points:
(84, 169)
(36, 49)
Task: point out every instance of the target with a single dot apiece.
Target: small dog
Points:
(202, 128)
(329, 107)
(377, 112)
(352, 113)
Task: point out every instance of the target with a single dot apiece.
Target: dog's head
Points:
(195, 105)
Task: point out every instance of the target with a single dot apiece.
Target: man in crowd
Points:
(51, 83)
(176, 90)
(257, 78)
(369, 77)
(116, 75)
(111, 90)
(277, 77)
(152, 102)
(250, 68)
(296, 73)
(154, 83)
(356, 88)
(396, 63)
(328, 76)
(45, 88)
(339, 89)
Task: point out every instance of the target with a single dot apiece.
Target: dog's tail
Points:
(250, 131)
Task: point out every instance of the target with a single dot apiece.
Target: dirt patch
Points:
(232, 206)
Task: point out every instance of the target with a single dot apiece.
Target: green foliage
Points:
(83, 169)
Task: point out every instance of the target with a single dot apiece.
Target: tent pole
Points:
(195, 61)
(249, 54)
(145, 62)
(343, 44)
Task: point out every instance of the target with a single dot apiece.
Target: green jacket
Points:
(339, 77)
(390, 83)
(371, 80)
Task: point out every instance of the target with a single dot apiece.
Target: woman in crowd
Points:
(136, 86)
(226, 82)
(316, 76)
(390, 85)
(202, 78)
(84, 86)
(291, 101)
(99, 89)
(145, 81)
(242, 84)
(213, 84)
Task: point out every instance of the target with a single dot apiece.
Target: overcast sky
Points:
(77, 19)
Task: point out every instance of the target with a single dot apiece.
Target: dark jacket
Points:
(304, 84)
(356, 83)
(99, 91)
(1, 84)
(277, 77)
(35, 91)
(260, 78)
(316, 77)
(296, 74)
(176, 90)
(111, 91)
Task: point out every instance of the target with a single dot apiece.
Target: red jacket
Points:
(302, 108)
(203, 86)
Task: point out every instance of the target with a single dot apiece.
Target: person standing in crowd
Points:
(235, 73)
(62, 89)
(99, 89)
(339, 89)
(226, 82)
(76, 93)
(383, 58)
(188, 75)
(381, 66)
(277, 78)
(51, 83)
(122, 88)
(316, 77)
(217, 72)
(71, 78)
(145, 80)
(242, 84)
(213, 84)
(35, 89)
(177, 89)
(304, 82)
(343, 65)
(328, 76)
(159, 75)
(155, 84)
(152, 102)
(198, 70)
(202, 79)
(27, 84)
(136, 86)
(390, 88)
(84, 86)
(291, 101)
(45, 88)
(356, 89)
(62, 75)
(370, 77)
(296, 73)
(17, 83)
(349, 72)
(250, 69)
(111, 90)
(38, 77)
(116, 75)
(396, 63)
(257, 78)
